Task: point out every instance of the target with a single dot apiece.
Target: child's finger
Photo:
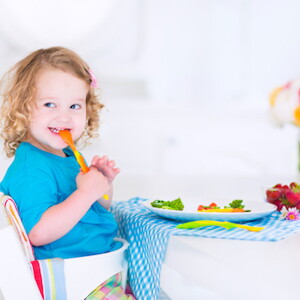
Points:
(116, 170)
(95, 159)
(104, 159)
(111, 163)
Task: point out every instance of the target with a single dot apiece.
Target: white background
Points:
(185, 84)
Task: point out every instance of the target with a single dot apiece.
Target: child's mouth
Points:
(57, 129)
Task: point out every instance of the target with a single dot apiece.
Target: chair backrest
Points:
(13, 218)
(82, 274)
(16, 278)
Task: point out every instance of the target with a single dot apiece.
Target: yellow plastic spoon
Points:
(67, 137)
(227, 225)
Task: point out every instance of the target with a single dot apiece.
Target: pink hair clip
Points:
(94, 82)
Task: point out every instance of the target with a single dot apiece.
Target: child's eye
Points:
(49, 104)
(75, 106)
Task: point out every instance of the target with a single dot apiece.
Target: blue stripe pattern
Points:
(45, 277)
(58, 270)
(148, 235)
(53, 267)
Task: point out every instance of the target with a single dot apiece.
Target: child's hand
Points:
(106, 167)
(93, 184)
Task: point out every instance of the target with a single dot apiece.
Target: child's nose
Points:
(63, 116)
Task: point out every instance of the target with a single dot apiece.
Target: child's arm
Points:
(107, 168)
(59, 219)
(106, 201)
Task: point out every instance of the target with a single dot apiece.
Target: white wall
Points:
(185, 84)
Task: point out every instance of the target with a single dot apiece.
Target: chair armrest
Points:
(84, 274)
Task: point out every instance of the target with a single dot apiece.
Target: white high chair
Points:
(82, 275)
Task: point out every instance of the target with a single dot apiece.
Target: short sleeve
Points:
(34, 191)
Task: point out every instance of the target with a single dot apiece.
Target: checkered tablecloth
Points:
(148, 234)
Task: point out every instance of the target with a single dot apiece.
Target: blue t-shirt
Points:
(37, 180)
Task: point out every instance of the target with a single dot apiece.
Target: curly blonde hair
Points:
(19, 91)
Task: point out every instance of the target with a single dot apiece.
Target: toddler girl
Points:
(62, 209)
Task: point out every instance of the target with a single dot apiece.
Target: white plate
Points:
(189, 213)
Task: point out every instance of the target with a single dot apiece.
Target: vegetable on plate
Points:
(173, 205)
(235, 206)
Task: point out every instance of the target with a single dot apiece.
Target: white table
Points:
(222, 269)
(219, 269)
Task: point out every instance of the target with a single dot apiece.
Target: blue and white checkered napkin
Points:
(148, 234)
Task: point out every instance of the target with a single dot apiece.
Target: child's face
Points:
(60, 104)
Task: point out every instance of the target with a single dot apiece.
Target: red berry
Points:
(293, 185)
(273, 195)
(278, 204)
(292, 197)
(284, 189)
